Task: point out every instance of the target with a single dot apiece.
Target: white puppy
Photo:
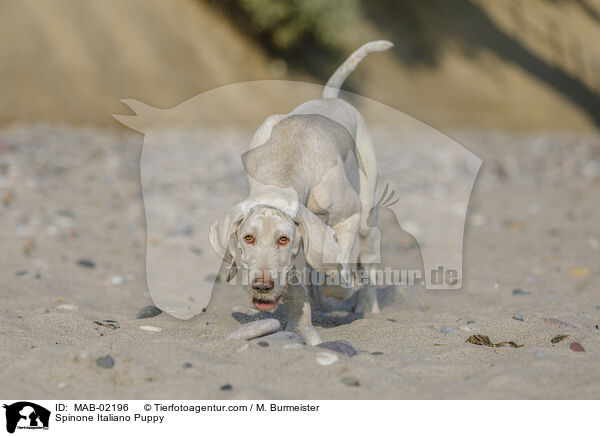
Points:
(312, 177)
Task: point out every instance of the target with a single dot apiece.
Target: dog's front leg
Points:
(297, 309)
(366, 301)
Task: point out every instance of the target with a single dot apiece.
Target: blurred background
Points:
(510, 64)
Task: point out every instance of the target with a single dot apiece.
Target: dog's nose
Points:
(261, 286)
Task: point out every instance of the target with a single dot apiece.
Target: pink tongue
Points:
(261, 305)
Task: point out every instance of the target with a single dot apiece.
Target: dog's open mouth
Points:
(265, 305)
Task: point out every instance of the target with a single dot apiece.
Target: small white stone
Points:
(326, 359)
(66, 307)
(282, 337)
(151, 328)
(470, 328)
(478, 220)
(593, 244)
(116, 280)
(243, 347)
(64, 222)
(62, 385)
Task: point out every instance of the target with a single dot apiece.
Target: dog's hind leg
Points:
(366, 301)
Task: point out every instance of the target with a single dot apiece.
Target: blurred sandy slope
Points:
(519, 67)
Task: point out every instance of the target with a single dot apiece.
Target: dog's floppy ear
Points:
(320, 247)
(222, 236)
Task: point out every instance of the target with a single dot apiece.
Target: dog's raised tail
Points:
(337, 79)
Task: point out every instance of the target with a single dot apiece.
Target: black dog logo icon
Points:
(26, 415)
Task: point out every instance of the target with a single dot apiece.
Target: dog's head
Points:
(263, 241)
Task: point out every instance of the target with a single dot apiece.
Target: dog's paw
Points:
(310, 335)
(366, 301)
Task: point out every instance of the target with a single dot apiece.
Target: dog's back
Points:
(299, 151)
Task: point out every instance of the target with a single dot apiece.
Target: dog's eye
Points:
(283, 240)
(249, 239)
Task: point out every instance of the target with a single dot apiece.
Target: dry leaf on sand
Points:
(485, 340)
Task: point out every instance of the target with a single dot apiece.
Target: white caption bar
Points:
(165, 417)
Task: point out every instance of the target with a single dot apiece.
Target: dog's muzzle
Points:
(261, 298)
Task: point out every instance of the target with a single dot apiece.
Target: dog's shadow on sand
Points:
(337, 313)
(322, 319)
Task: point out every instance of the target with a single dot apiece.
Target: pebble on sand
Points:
(444, 329)
(226, 387)
(86, 263)
(518, 317)
(350, 381)
(341, 347)
(148, 312)
(116, 280)
(106, 362)
(263, 343)
(520, 292)
(66, 307)
(326, 359)
(558, 323)
(470, 328)
(577, 347)
(255, 329)
(151, 328)
(187, 365)
(289, 337)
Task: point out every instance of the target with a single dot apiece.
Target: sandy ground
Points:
(73, 194)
